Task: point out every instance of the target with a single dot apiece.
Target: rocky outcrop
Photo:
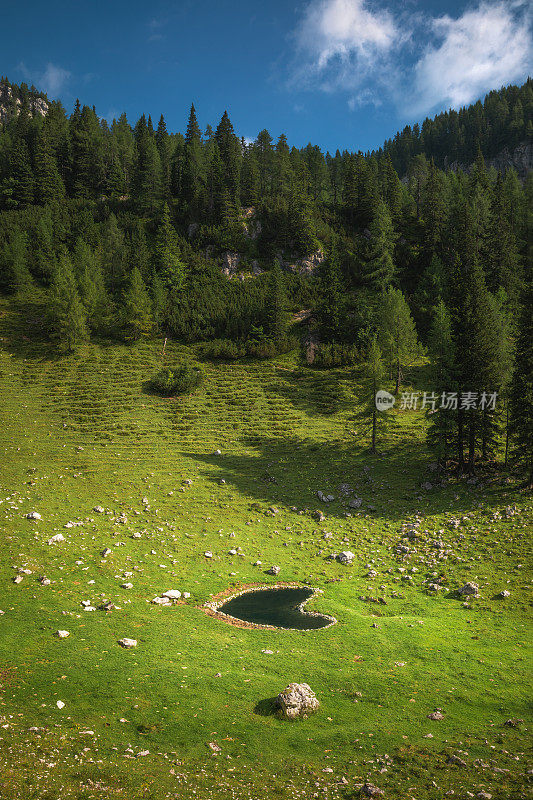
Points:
(520, 158)
(297, 700)
(307, 265)
(230, 262)
(10, 104)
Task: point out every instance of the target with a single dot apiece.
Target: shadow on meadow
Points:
(292, 471)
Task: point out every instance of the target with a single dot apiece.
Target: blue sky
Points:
(338, 73)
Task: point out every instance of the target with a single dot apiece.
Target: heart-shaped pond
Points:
(281, 608)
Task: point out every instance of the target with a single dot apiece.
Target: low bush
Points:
(177, 380)
(335, 355)
(227, 350)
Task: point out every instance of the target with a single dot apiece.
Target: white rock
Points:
(126, 585)
(62, 634)
(99, 509)
(172, 594)
(60, 704)
(34, 515)
(58, 537)
(208, 554)
(128, 642)
(346, 557)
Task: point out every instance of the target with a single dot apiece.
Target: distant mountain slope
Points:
(12, 98)
(501, 125)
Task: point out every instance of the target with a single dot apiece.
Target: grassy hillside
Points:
(80, 431)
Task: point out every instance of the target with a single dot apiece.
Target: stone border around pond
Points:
(212, 607)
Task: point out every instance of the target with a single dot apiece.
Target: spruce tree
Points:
(521, 406)
(67, 315)
(379, 268)
(137, 309)
(376, 418)
(276, 303)
(170, 268)
(397, 333)
(441, 419)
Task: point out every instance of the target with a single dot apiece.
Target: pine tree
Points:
(49, 187)
(67, 316)
(170, 268)
(193, 179)
(521, 406)
(21, 174)
(397, 333)
(441, 419)
(164, 149)
(379, 268)
(377, 418)
(159, 297)
(330, 309)
(137, 309)
(276, 303)
(14, 273)
(93, 292)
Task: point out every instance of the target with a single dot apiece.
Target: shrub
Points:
(228, 350)
(335, 355)
(177, 380)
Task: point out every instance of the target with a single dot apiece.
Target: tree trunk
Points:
(460, 443)
(506, 457)
(374, 430)
(398, 377)
(471, 445)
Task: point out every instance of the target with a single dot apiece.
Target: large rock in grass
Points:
(469, 589)
(346, 557)
(297, 700)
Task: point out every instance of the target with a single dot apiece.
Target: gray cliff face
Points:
(520, 158)
(37, 104)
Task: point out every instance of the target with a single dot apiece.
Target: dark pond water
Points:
(277, 607)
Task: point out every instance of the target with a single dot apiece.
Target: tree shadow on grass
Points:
(267, 707)
(291, 471)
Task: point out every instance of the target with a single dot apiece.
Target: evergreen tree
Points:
(67, 316)
(376, 417)
(170, 268)
(397, 333)
(276, 300)
(441, 419)
(521, 406)
(137, 309)
(14, 273)
(379, 269)
(49, 187)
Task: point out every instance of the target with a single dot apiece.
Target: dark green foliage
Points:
(335, 355)
(66, 313)
(177, 380)
(137, 309)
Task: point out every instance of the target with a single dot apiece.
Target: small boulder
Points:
(469, 589)
(297, 700)
(369, 790)
(58, 537)
(34, 515)
(346, 557)
(456, 760)
(127, 642)
(172, 594)
(274, 570)
(99, 510)
(62, 634)
(436, 715)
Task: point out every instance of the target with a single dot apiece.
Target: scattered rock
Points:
(346, 557)
(297, 700)
(34, 515)
(436, 715)
(456, 760)
(60, 704)
(58, 537)
(62, 634)
(504, 593)
(172, 594)
(469, 589)
(99, 510)
(128, 642)
(274, 570)
(356, 502)
(369, 790)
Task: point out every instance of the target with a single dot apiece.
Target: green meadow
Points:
(187, 712)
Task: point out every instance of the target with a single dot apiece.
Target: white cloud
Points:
(368, 52)
(341, 42)
(483, 49)
(54, 79)
(51, 80)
